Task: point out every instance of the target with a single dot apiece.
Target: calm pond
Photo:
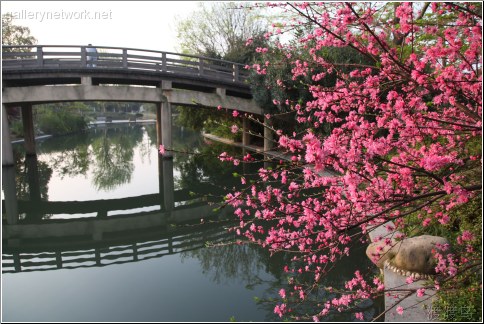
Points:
(108, 231)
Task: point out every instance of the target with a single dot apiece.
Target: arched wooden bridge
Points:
(57, 73)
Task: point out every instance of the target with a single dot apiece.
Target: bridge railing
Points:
(106, 57)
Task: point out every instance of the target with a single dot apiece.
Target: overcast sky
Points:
(138, 24)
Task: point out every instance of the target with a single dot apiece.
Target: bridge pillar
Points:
(28, 123)
(32, 167)
(158, 123)
(268, 135)
(166, 183)
(245, 131)
(7, 151)
(166, 131)
(86, 80)
(222, 92)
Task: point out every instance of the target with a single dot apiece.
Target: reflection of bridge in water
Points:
(114, 248)
(114, 230)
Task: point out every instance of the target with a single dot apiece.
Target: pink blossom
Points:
(162, 150)
(280, 309)
(235, 113)
(380, 141)
(467, 236)
(282, 293)
(435, 162)
(234, 129)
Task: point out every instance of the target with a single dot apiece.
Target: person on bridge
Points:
(91, 59)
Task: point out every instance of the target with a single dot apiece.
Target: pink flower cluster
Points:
(399, 141)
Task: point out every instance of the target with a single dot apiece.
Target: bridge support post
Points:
(86, 80)
(32, 166)
(167, 187)
(268, 135)
(222, 92)
(158, 123)
(245, 131)
(7, 151)
(166, 131)
(28, 123)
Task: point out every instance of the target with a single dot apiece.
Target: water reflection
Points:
(106, 157)
(139, 207)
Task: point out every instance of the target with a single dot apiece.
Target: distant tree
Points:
(221, 30)
(15, 35)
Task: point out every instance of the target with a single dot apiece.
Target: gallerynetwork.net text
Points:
(61, 15)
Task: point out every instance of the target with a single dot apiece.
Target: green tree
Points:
(15, 35)
(221, 30)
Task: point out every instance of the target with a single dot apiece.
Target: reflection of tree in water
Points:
(108, 150)
(229, 262)
(71, 156)
(335, 278)
(206, 167)
(147, 144)
(25, 169)
(31, 180)
(247, 263)
(113, 156)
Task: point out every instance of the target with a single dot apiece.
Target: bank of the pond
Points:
(92, 124)
(37, 138)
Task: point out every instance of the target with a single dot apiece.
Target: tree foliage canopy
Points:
(220, 30)
(14, 34)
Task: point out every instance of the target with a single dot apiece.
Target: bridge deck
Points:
(48, 65)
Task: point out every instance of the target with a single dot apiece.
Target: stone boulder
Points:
(413, 255)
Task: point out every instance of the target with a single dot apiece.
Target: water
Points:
(108, 231)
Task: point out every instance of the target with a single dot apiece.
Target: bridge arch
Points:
(54, 73)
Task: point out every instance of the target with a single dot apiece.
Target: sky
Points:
(135, 24)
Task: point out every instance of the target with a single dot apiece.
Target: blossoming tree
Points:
(404, 146)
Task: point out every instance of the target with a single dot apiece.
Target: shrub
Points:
(61, 122)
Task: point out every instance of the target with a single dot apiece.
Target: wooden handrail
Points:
(39, 57)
